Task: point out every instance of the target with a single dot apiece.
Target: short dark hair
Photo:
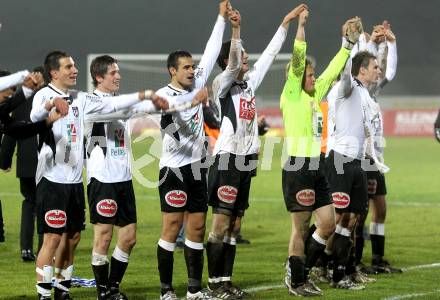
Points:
(173, 58)
(224, 54)
(99, 66)
(52, 62)
(361, 59)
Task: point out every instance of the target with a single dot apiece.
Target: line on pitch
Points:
(413, 295)
(417, 267)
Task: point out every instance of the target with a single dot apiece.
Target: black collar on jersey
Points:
(242, 84)
(359, 82)
(68, 98)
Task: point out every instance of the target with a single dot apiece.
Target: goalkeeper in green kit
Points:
(305, 187)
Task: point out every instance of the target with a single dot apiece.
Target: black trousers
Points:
(28, 214)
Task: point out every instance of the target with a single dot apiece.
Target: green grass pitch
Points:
(412, 234)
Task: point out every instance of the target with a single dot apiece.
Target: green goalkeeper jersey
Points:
(302, 115)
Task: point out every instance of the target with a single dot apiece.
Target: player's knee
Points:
(215, 238)
(74, 238)
(52, 240)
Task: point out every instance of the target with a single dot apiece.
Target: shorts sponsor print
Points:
(227, 194)
(306, 197)
(55, 218)
(176, 198)
(341, 200)
(107, 208)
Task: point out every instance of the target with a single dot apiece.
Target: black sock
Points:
(117, 270)
(313, 252)
(214, 252)
(359, 243)
(341, 250)
(58, 291)
(350, 268)
(377, 247)
(45, 285)
(194, 266)
(101, 277)
(165, 261)
(229, 258)
(308, 236)
(297, 271)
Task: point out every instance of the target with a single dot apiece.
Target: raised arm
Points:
(266, 59)
(325, 80)
(9, 81)
(224, 81)
(213, 46)
(392, 52)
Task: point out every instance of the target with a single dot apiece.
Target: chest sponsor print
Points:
(247, 109)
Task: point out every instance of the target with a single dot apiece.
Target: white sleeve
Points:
(103, 105)
(138, 109)
(372, 48)
(391, 61)
(39, 112)
(346, 84)
(210, 54)
(181, 102)
(225, 80)
(9, 81)
(266, 59)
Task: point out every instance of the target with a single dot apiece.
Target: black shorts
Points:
(305, 187)
(349, 189)
(376, 184)
(183, 189)
(229, 182)
(60, 207)
(111, 203)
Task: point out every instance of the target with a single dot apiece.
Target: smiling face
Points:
(183, 76)
(372, 73)
(109, 83)
(65, 77)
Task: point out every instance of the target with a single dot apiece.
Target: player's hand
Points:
(159, 102)
(389, 35)
(6, 170)
(34, 81)
(53, 117)
(352, 29)
(295, 13)
(224, 8)
(378, 34)
(234, 18)
(61, 105)
(201, 97)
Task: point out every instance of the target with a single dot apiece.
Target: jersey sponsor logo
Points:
(247, 108)
(75, 111)
(119, 138)
(107, 208)
(176, 198)
(372, 186)
(341, 200)
(227, 193)
(71, 133)
(55, 218)
(195, 122)
(306, 197)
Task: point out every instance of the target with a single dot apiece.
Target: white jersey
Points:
(61, 155)
(108, 148)
(183, 133)
(236, 100)
(12, 80)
